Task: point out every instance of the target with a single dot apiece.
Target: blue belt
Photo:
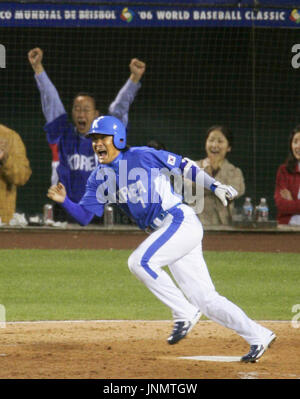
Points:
(152, 226)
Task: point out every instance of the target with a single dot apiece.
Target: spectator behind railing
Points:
(219, 142)
(14, 171)
(287, 189)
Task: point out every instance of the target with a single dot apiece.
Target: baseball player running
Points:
(136, 179)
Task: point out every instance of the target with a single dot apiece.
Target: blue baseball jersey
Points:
(138, 181)
(76, 156)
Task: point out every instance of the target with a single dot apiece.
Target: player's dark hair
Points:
(224, 130)
(291, 161)
(126, 148)
(158, 145)
(87, 94)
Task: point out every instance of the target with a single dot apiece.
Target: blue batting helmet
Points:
(112, 127)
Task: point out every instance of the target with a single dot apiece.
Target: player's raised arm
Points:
(137, 69)
(120, 106)
(51, 102)
(35, 58)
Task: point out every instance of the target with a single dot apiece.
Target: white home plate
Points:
(213, 358)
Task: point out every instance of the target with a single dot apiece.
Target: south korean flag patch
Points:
(171, 160)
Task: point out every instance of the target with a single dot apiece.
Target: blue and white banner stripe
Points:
(43, 14)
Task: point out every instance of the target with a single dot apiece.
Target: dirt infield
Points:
(138, 349)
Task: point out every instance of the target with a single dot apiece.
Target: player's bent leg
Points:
(192, 276)
(161, 248)
(163, 287)
(221, 310)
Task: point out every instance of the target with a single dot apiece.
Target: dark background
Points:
(195, 77)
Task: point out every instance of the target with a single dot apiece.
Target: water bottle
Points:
(262, 211)
(108, 215)
(247, 209)
(47, 212)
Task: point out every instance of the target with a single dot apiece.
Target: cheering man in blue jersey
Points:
(137, 179)
(73, 158)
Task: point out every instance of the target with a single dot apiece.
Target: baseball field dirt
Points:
(138, 349)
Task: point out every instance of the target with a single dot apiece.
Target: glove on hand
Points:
(223, 192)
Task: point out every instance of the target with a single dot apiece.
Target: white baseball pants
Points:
(178, 244)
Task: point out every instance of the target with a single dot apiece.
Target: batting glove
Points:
(223, 192)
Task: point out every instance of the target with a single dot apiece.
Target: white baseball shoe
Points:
(182, 328)
(256, 351)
